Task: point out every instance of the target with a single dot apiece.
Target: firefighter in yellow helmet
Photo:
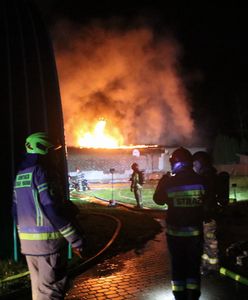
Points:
(43, 229)
(183, 192)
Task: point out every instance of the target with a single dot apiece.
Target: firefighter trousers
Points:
(185, 255)
(138, 197)
(210, 261)
(48, 276)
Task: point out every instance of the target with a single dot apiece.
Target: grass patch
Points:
(8, 269)
(124, 195)
(240, 192)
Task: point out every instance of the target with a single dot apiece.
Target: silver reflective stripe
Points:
(39, 216)
(68, 231)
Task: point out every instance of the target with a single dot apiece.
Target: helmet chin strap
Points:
(28, 146)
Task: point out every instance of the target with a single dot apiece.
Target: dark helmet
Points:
(181, 155)
(134, 166)
(203, 157)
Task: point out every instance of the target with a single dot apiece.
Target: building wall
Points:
(96, 164)
(234, 169)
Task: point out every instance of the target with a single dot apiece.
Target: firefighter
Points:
(183, 192)
(203, 166)
(80, 178)
(136, 184)
(43, 228)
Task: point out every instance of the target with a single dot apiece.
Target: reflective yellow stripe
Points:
(190, 231)
(212, 261)
(210, 235)
(234, 276)
(190, 193)
(40, 236)
(192, 286)
(177, 286)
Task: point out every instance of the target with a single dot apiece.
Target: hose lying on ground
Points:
(234, 276)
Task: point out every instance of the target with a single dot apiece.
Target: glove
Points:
(78, 252)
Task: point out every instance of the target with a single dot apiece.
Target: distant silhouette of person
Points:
(80, 179)
(137, 181)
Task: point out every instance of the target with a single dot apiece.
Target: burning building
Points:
(99, 152)
(127, 84)
(96, 164)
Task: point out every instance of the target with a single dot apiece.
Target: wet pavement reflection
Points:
(145, 275)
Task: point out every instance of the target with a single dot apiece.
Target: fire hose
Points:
(234, 276)
(87, 263)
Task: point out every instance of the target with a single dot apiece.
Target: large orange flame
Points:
(99, 138)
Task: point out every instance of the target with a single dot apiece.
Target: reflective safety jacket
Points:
(41, 227)
(184, 195)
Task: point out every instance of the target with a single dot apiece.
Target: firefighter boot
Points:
(193, 295)
(180, 295)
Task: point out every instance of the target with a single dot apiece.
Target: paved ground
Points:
(145, 275)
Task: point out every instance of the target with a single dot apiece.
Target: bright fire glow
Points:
(99, 138)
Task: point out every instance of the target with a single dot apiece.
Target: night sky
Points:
(215, 50)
